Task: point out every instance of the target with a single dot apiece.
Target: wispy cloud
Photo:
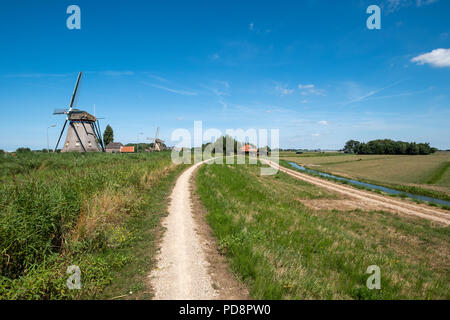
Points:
(37, 75)
(437, 58)
(421, 3)
(402, 94)
(283, 90)
(323, 123)
(157, 78)
(182, 92)
(310, 89)
(218, 88)
(214, 56)
(396, 5)
(114, 73)
(251, 26)
(371, 93)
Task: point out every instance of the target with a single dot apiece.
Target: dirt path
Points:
(182, 269)
(188, 263)
(380, 201)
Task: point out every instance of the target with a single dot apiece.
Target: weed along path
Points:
(182, 267)
(380, 201)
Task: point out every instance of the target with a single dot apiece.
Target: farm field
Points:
(420, 174)
(100, 212)
(283, 249)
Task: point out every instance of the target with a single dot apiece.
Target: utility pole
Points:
(52, 126)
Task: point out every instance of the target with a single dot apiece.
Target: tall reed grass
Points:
(58, 209)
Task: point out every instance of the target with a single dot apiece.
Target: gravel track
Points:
(383, 202)
(182, 268)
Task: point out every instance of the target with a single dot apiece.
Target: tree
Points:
(108, 135)
(351, 146)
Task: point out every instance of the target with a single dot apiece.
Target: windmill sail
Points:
(74, 99)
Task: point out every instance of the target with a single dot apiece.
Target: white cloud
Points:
(307, 89)
(436, 58)
(315, 134)
(251, 26)
(323, 123)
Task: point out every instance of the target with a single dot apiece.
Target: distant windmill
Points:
(158, 144)
(83, 133)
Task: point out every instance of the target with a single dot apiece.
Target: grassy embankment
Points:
(426, 175)
(100, 212)
(284, 250)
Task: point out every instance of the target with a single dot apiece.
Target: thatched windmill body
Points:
(158, 144)
(83, 133)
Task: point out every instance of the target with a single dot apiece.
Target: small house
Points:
(113, 147)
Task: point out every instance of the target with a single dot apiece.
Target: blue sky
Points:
(308, 68)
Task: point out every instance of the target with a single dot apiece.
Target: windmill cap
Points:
(82, 116)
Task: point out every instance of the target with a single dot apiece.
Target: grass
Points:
(284, 250)
(438, 173)
(423, 175)
(96, 211)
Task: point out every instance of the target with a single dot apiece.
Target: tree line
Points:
(387, 146)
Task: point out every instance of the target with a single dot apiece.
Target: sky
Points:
(311, 69)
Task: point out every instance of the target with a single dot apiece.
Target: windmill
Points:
(158, 144)
(83, 133)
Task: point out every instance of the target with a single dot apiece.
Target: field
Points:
(282, 249)
(100, 212)
(421, 174)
